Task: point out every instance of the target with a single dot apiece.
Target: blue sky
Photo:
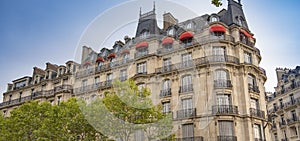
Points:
(33, 32)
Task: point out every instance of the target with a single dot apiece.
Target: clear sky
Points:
(33, 32)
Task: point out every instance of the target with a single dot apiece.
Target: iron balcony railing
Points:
(139, 54)
(186, 88)
(195, 138)
(85, 72)
(292, 120)
(222, 84)
(197, 62)
(227, 138)
(186, 113)
(224, 109)
(38, 94)
(165, 93)
(253, 88)
(257, 113)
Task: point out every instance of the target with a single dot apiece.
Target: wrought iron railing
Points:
(224, 109)
(257, 113)
(186, 113)
(186, 88)
(165, 93)
(222, 84)
(195, 138)
(227, 138)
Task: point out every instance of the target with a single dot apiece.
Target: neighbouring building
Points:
(283, 105)
(204, 70)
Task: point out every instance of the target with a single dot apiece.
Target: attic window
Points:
(214, 19)
(189, 26)
(171, 32)
(144, 34)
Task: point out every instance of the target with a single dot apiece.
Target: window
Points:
(221, 78)
(109, 78)
(254, 104)
(226, 129)
(189, 26)
(292, 99)
(123, 75)
(96, 81)
(142, 51)
(293, 131)
(247, 58)
(125, 57)
(223, 99)
(140, 89)
(20, 84)
(282, 120)
(171, 32)
(187, 104)
(166, 107)
(252, 83)
(276, 137)
(257, 131)
(219, 54)
(144, 34)
(142, 68)
(167, 64)
(84, 84)
(166, 85)
(100, 64)
(214, 19)
(187, 131)
(20, 96)
(187, 60)
(112, 61)
(281, 103)
(186, 84)
(58, 100)
(294, 115)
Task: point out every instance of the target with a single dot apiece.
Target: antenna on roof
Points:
(153, 5)
(140, 11)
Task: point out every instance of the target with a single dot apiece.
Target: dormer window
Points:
(189, 25)
(144, 34)
(214, 19)
(186, 38)
(167, 43)
(171, 32)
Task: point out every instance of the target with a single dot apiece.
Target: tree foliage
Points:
(125, 110)
(217, 3)
(42, 121)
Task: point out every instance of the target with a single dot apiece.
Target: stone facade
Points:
(204, 70)
(283, 105)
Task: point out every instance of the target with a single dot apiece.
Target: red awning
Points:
(142, 44)
(112, 55)
(100, 59)
(87, 63)
(125, 51)
(217, 28)
(167, 40)
(247, 34)
(186, 35)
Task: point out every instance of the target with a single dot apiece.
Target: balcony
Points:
(257, 113)
(186, 88)
(63, 88)
(227, 138)
(197, 138)
(223, 58)
(85, 72)
(222, 84)
(165, 93)
(186, 113)
(253, 88)
(292, 120)
(224, 110)
(104, 67)
(291, 103)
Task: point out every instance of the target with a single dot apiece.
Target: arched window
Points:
(189, 25)
(144, 34)
(214, 19)
(171, 32)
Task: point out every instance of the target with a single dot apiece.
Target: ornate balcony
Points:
(224, 110)
(259, 139)
(165, 93)
(186, 88)
(139, 54)
(227, 138)
(223, 58)
(197, 138)
(292, 120)
(186, 113)
(222, 84)
(257, 113)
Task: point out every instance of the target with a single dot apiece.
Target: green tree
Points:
(217, 3)
(126, 109)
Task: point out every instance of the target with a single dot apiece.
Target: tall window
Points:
(226, 129)
(166, 107)
(187, 59)
(247, 58)
(123, 75)
(257, 131)
(251, 81)
(142, 51)
(189, 26)
(166, 85)
(125, 57)
(171, 32)
(142, 68)
(254, 104)
(219, 54)
(112, 61)
(97, 80)
(221, 78)
(292, 99)
(281, 103)
(294, 115)
(223, 99)
(214, 19)
(58, 100)
(167, 64)
(187, 104)
(83, 85)
(187, 131)
(186, 84)
(109, 77)
(140, 89)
